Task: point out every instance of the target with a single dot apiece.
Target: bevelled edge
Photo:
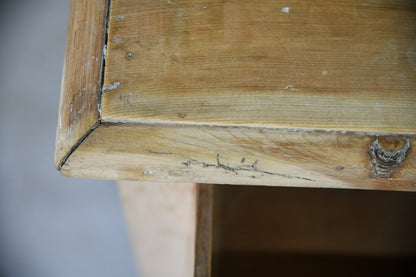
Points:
(79, 106)
(237, 155)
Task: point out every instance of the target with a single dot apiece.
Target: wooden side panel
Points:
(333, 64)
(81, 78)
(249, 156)
(204, 225)
(169, 226)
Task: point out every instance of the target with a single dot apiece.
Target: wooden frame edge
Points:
(219, 155)
(203, 232)
(80, 100)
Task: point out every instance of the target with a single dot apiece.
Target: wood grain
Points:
(169, 227)
(246, 92)
(338, 65)
(231, 155)
(81, 77)
(203, 232)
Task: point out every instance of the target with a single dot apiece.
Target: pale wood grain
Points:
(169, 227)
(250, 156)
(81, 77)
(241, 92)
(340, 64)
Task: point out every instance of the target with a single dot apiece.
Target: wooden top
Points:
(223, 72)
(339, 65)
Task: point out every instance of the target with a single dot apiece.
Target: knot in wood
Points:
(383, 162)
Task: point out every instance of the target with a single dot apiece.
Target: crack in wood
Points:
(251, 168)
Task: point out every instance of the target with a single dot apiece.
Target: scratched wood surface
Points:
(236, 155)
(311, 93)
(81, 77)
(333, 64)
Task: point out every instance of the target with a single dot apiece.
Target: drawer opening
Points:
(271, 231)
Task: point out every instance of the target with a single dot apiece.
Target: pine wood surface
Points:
(169, 227)
(81, 77)
(234, 155)
(341, 64)
(250, 92)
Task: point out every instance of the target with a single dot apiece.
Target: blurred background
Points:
(49, 225)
